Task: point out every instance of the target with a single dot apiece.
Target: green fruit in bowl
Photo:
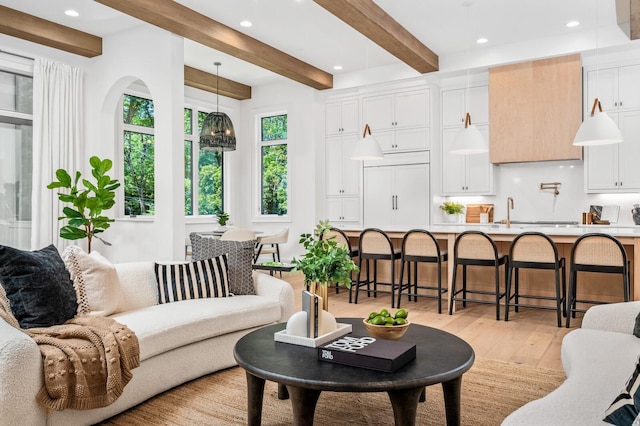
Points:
(385, 318)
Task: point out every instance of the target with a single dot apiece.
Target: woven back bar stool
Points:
(374, 246)
(475, 248)
(342, 239)
(420, 246)
(601, 253)
(534, 250)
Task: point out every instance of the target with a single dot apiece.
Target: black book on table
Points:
(368, 352)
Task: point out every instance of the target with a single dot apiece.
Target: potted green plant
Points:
(325, 262)
(451, 209)
(85, 216)
(223, 218)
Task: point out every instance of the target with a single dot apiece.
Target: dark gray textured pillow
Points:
(240, 256)
(636, 327)
(38, 286)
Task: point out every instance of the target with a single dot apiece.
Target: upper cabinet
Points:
(614, 168)
(616, 88)
(457, 102)
(399, 121)
(341, 117)
(535, 110)
(396, 110)
(465, 174)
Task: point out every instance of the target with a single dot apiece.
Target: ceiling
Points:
(516, 30)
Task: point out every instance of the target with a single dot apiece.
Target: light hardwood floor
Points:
(530, 336)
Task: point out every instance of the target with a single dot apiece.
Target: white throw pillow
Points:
(95, 280)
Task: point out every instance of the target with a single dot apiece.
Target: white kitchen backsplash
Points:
(522, 182)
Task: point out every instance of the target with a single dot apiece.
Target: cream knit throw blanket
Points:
(87, 360)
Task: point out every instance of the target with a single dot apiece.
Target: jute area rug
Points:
(490, 391)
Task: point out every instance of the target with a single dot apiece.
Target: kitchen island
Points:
(594, 286)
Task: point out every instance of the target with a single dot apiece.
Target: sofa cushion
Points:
(38, 286)
(164, 327)
(95, 280)
(194, 280)
(624, 409)
(240, 259)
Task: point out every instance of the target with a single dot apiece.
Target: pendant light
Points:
(217, 132)
(468, 140)
(597, 128)
(367, 148)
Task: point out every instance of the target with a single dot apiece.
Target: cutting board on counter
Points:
(474, 210)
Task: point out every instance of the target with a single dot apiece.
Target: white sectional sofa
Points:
(598, 359)
(179, 341)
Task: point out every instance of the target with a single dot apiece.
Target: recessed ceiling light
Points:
(482, 40)
(337, 67)
(246, 23)
(572, 24)
(71, 12)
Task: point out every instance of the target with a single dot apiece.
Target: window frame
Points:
(196, 106)
(258, 115)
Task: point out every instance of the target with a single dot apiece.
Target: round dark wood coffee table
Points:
(441, 357)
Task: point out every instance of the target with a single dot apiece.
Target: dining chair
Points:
(238, 234)
(343, 241)
(270, 244)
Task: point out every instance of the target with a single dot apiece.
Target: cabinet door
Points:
(350, 168)
(412, 195)
(629, 151)
(378, 196)
(351, 209)
(332, 119)
(333, 166)
(453, 165)
(453, 107)
(602, 165)
(478, 169)
(377, 112)
(477, 102)
(411, 109)
(333, 209)
(350, 119)
(602, 84)
(412, 139)
(629, 87)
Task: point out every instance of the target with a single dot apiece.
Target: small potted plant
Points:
(223, 218)
(325, 261)
(451, 210)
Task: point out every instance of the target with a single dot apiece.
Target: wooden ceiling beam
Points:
(28, 27)
(199, 79)
(628, 16)
(373, 22)
(178, 19)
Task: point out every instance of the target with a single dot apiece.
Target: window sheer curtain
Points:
(57, 143)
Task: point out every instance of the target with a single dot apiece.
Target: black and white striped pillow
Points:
(195, 280)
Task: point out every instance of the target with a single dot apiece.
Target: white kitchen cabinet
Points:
(342, 174)
(614, 168)
(396, 110)
(341, 117)
(457, 102)
(342, 209)
(396, 196)
(465, 174)
(402, 140)
(617, 88)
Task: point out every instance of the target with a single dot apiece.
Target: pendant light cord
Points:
(217, 64)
